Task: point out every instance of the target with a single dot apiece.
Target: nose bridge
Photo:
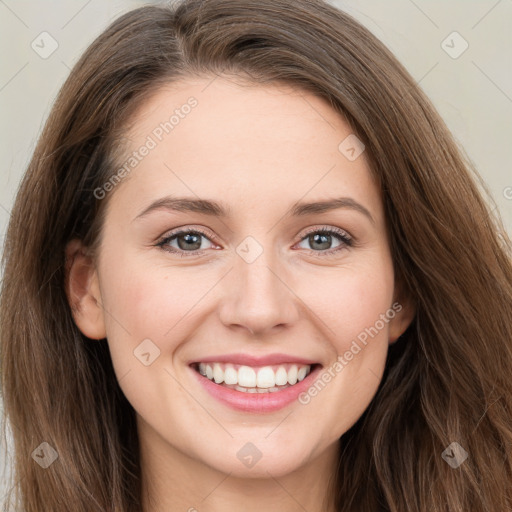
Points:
(258, 298)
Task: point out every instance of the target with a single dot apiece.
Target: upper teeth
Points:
(246, 376)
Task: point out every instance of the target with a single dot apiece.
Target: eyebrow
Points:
(216, 209)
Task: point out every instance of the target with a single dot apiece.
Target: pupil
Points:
(190, 240)
(319, 236)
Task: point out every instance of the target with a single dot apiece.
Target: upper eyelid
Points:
(181, 231)
(332, 229)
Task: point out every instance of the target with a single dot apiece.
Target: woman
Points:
(173, 338)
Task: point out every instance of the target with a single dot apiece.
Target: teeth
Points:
(230, 375)
(258, 390)
(292, 375)
(281, 377)
(266, 378)
(254, 380)
(246, 377)
(301, 373)
(218, 374)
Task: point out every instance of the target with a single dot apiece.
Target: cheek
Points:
(354, 306)
(349, 301)
(152, 303)
(148, 315)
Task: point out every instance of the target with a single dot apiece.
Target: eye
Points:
(189, 242)
(321, 240)
(185, 241)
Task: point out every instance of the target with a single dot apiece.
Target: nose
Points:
(258, 297)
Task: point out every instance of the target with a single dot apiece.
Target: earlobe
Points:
(83, 292)
(404, 315)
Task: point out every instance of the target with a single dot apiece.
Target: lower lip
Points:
(257, 402)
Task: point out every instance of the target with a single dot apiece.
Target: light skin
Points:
(258, 150)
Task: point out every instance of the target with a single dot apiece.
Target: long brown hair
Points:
(447, 378)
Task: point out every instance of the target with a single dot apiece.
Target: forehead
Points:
(215, 136)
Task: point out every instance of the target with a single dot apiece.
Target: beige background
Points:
(473, 92)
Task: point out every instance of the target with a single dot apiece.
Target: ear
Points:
(405, 310)
(83, 291)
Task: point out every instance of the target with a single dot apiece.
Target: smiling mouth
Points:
(250, 379)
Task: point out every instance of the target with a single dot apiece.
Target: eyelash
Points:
(345, 238)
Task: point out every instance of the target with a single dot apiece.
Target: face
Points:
(211, 262)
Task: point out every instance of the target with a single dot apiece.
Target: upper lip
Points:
(249, 360)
